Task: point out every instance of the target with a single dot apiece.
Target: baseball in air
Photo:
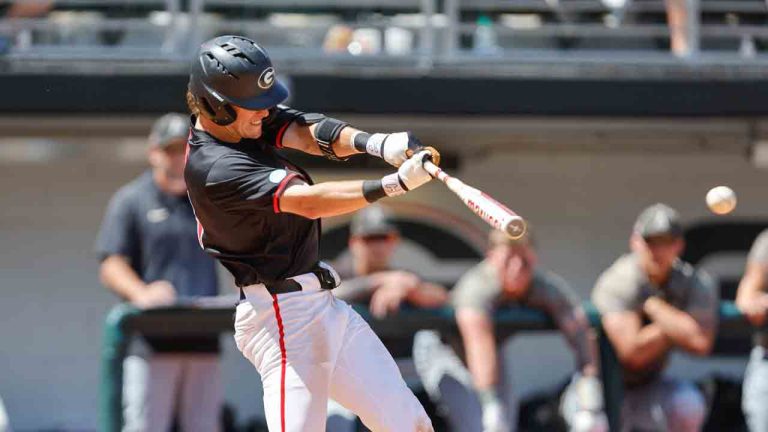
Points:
(721, 200)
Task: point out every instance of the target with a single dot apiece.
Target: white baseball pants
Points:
(309, 346)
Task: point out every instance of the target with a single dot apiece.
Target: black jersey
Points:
(235, 190)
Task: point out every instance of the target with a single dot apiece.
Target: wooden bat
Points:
(493, 212)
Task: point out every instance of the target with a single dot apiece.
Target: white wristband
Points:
(375, 144)
(392, 186)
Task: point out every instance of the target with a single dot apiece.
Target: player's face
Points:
(248, 123)
(168, 165)
(374, 251)
(515, 266)
(658, 254)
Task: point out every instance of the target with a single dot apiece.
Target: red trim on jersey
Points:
(279, 191)
(200, 232)
(279, 139)
(283, 360)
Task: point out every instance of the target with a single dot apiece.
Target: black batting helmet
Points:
(233, 70)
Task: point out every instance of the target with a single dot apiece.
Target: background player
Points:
(752, 300)
(150, 258)
(258, 214)
(651, 302)
(478, 399)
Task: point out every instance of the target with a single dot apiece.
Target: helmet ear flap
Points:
(225, 115)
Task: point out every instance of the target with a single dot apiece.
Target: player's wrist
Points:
(372, 144)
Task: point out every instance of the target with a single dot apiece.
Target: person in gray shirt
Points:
(752, 300)
(150, 257)
(475, 397)
(651, 304)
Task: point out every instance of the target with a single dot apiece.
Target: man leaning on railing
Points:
(476, 397)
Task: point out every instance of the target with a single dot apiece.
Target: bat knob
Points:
(516, 228)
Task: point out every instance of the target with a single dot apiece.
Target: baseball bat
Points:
(491, 211)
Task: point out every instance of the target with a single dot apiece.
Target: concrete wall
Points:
(52, 306)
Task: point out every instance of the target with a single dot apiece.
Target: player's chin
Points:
(253, 132)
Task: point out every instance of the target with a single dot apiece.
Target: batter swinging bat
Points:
(493, 212)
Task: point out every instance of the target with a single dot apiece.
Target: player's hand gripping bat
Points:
(493, 212)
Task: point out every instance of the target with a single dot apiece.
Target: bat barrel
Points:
(515, 228)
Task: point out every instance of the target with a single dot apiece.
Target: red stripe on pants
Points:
(283, 359)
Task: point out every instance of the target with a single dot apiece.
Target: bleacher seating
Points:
(435, 31)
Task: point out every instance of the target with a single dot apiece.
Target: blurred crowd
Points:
(73, 23)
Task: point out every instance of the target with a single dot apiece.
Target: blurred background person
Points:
(5, 425)
(652, 303)
(477, 398)
(151, 258)
(752, 300)
(368, 277)
(683, 36)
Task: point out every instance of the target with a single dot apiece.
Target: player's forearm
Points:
(428, 295)
(750, 297)
(679, 326)
(118, 276)
(582, 339)
(648, 345)
(480, 349)
(323, 199)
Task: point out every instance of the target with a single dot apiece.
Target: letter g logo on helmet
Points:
(267, 78)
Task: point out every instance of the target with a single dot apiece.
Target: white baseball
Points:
(721, 200)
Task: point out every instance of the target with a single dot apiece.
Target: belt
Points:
(323, 273)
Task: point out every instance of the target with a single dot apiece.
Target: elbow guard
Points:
(327, 132)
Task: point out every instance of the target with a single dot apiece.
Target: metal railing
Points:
(409, 35)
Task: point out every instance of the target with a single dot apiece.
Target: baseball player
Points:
(259, 215)
(150, 258)
(475, 397)
(752, 300)
(651, 302)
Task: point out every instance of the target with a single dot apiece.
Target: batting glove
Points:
(394, 148)
(409, 176)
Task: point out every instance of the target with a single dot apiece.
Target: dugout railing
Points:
(125, 321)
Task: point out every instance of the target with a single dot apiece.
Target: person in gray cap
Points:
(651, 304)
(150, 257)
(368, 277)
(476, 397)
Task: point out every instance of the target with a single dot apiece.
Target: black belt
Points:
(282, 286)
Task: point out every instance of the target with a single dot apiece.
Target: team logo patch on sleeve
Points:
(277, 176)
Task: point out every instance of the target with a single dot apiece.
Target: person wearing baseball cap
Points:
(652, 303)
(477, 397)
(150, 257)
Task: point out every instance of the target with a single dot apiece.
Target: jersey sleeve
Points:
(239, 184)
(476, 290)
(118, 234)
(759, 251)
(275, 125)
(613, 291)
